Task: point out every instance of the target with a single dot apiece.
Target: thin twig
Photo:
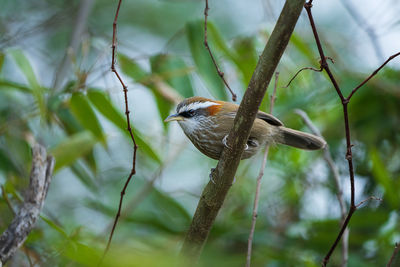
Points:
(372, 75)
(129, 129)
(307, 68)
(345, 102)
(395, 251)
(336, 176)
(368, 199)
(298, 72)
(220, 73)
(258, 186)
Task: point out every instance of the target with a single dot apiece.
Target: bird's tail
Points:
(299, 139)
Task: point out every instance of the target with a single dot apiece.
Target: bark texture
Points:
(23, 222)
(214, 195)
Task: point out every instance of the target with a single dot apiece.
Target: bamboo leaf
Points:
(205, 66)
(73, 148)
(103, 104)
(24, 65)
(84, 113)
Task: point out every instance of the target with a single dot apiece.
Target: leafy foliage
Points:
(84, 126)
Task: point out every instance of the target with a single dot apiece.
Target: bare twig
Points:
(14, 236)
(258, 185)
(220, 73)
(215, 192)
(368, 199)
(307, 68)
(129, 129)
(345, 102)
(336, 176)
(372, 75)
(298, 72)
(395, 251)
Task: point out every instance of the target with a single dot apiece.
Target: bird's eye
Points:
(190, 112)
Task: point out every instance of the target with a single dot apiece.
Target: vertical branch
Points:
(220, 73)
(129, 129)
(345, 101)
(214, 194)
(258, 186)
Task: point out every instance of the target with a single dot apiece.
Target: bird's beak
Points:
(174, 117)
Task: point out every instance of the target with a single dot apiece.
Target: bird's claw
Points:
(211, 175)
(225, 142)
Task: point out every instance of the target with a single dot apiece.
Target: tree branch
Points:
(129, 129)
(395, 251)
(14, 236)
(213, 195)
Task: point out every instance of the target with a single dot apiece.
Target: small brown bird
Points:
(207, 124)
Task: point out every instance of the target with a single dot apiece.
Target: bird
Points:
(207, 123)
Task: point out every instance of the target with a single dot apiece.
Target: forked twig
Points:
(125, 90)
(220, 73)
(258, 186)
(345, 101)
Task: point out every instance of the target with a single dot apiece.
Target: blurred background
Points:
(56, 87)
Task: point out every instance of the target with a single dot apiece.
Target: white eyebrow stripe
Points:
(197, 105)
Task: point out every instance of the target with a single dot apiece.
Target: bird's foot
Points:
(225, 142)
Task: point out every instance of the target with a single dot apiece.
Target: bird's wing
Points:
(269, 118)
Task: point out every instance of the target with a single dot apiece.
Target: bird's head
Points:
(195, 111)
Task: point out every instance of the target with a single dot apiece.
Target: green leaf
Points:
(175, 72)
(24, 65)
(2, 56)
(20, 87)
(84, 113)
(84, 176)
(144, 147)
(73, 148)
(54, 226)
(103, 104)
(131, 68)
(205, 66)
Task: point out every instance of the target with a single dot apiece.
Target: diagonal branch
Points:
(214, 195)
(395, 251)
(15, 235)
(372, 75)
